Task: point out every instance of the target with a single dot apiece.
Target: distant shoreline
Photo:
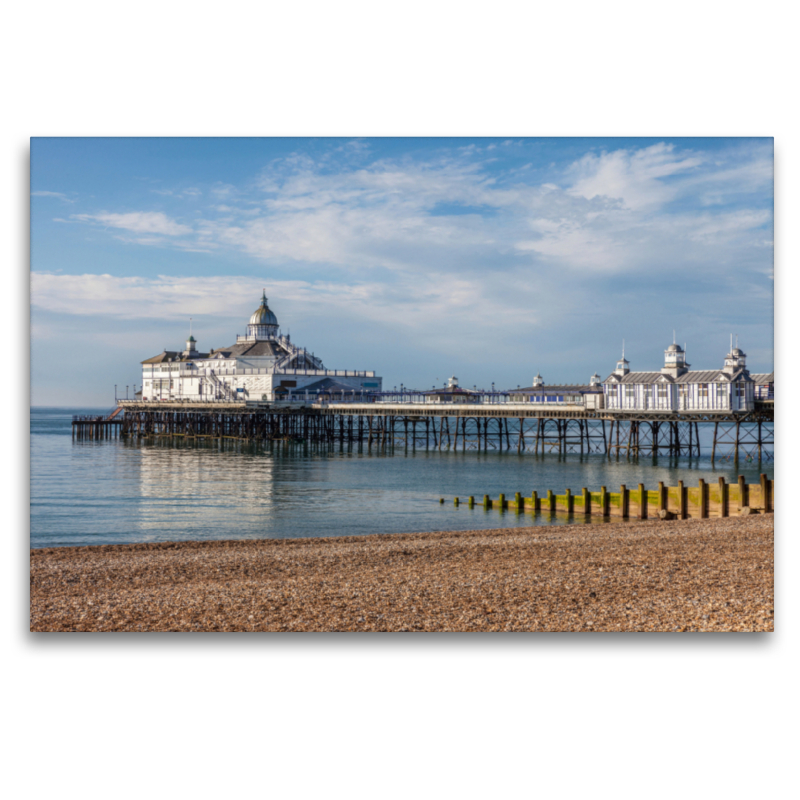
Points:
(710, 574)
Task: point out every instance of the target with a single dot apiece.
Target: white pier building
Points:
(262, 365)
(677, 388)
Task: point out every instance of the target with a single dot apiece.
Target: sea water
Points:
(113, 491)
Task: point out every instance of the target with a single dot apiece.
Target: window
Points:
(702, 390)
(663, 392)
(630, 392)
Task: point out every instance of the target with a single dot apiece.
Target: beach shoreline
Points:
(690, 575)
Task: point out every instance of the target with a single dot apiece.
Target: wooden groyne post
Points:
(664, 503)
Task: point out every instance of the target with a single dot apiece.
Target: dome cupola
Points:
(736, 359)
(674, 360)
(263, 324)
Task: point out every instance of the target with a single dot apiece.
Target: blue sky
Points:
(491, 259)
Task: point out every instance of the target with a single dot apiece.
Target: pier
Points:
(100, 426)
(491, 424)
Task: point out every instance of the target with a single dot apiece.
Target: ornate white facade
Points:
(677, 388)
(263, 365)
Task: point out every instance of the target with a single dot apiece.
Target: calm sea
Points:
(115, 491)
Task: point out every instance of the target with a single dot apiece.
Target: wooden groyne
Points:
(718, 499)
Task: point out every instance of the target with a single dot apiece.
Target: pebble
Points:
(689, 575)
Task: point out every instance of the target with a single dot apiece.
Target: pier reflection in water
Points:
(115, 491)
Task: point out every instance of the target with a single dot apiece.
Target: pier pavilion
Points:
(677, 388)
(262, 365)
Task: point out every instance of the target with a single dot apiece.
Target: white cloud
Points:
(609, 213)
(634, 177)
(58, 195)
(137, 222)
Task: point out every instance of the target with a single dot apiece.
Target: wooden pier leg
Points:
(714, 444)
(723, 497)
(760, 441)
(642, 502)
(624, 501)
(703, 499)
(605, 502)
(736, 446)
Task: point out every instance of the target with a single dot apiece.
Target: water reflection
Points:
(161, 489)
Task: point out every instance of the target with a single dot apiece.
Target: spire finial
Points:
(623, 349)
(190, 326)
(263, 297)
(673, 336)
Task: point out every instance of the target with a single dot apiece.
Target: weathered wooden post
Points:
(487, 503)
(570, 506)
(471, 501)
(551, 501)
(683, 500)
(536, 501)
(765, 498)
(587, 501)
(662, 496)
(744, 493)
(501, 501)
(605, 502)
(518, 500)
(642, 502)
(624, 501)
(703, 499)
(723, 497)
(455, 501)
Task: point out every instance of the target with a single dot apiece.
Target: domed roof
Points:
(674, 348)
(262, 315)
(737, 352)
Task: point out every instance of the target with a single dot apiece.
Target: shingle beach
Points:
(693, 575)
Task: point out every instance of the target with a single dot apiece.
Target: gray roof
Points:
(262, 348)
(712, 376)
(450, 390)
(173, 355)
(577, 388)
(762, 378)
(638, 377)
(325, 385)
(692, 376)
